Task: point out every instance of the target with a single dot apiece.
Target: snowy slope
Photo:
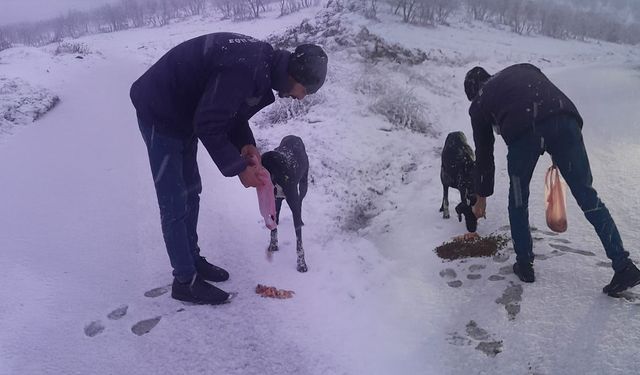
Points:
(81, 238)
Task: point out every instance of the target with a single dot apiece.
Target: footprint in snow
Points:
(450, 273)
(118, 313)
(476, 267)
(157, 292)
(455, 283)
(568, 249)
(505, 270)
(501, 258)
(94, 328)
(145, 326)
(511, 298)
(475, 334)
(552, 254)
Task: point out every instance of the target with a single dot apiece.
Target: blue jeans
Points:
(177, 182)
(561, 137)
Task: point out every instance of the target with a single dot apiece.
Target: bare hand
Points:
(250, 151)
(479, 209)
(249, 177)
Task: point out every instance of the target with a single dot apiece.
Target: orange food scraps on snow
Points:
(273, 292)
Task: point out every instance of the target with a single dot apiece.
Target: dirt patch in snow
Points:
(480, 247)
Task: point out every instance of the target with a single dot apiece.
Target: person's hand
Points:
(480, 208)
(250, 151)
(249, 177)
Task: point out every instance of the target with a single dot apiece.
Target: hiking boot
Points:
(622, 280)
(210, 272)
(199, 292)
(524, 272)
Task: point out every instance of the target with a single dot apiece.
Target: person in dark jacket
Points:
(206, 89)
(533, 116)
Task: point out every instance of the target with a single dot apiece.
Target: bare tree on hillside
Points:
(133, 11)
(479, 9)
(196, 7)
(4, 40)
(225, 7)
(113, 17)
(407, 7)
(255, 6)
(444, 9)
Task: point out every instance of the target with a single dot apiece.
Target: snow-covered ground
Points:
(81, 239)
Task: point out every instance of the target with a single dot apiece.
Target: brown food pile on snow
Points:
(272, 292)
(474, 248)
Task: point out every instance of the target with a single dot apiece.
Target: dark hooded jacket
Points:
(512, 102)
(209, 87)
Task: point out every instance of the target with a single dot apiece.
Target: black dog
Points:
(288, 165)
(457, 172)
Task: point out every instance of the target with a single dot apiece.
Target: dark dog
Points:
(288, 165)
(457, 172)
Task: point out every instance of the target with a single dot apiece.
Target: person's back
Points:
(517, 98)
(169, 93)
(534, 117)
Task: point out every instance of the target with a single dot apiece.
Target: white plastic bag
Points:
(555, 201)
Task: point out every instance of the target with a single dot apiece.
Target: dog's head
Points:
(455, 140)
(274, 162)
(458, 159)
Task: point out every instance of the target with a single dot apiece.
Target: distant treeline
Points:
(614, 21)
(137, 13)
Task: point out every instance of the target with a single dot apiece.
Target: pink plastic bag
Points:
(555, 202)
(266, 199)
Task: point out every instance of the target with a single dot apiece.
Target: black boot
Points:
(622, 280)
(524, 272)
(198, 291)
(210, 272)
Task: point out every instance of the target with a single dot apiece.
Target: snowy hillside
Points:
(86, 272)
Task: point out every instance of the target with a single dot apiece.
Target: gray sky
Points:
(12, 11)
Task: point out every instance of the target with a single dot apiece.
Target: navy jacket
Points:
(512, 102)
(209, 87)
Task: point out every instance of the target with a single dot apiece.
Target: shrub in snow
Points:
(4, 44)
(375, 49)
(403, 110)
(328, 31)
(399, 105)
(284, 110)
(21, 103)
(75, 48)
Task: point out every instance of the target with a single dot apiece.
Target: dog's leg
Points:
(445, 202)
(295, 203)
(301, 265)
(303, 185)
(273, 245)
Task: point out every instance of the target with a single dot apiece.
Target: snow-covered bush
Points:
(74, 48)
(403, 110)
(21, 103)
(287, 109)
(375, 49)
(4, 44)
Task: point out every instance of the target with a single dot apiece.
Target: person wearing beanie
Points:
(206, 89)
(533, 116)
